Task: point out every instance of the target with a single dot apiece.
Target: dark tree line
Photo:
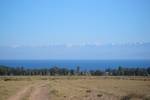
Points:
(120, 71)
(129, 71)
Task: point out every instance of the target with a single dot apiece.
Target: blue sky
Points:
(92, 29)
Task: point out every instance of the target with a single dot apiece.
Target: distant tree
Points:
(78, 70)
(98, 73)
(54, 70)
(72, 72)
(148, 70)
(120, 71)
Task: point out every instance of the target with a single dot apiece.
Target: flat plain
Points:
(74, 88)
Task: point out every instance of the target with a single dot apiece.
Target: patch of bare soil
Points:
(40, 93)
(21, 94)
(37, 91)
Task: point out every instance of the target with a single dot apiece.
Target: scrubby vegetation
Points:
(55, 71)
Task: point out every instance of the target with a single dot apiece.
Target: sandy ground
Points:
(37, 91)
(20, 94)
(83, 89)
(40, 92)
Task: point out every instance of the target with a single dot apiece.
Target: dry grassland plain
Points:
(74, 88)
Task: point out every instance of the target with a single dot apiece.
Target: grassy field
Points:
(74, 88)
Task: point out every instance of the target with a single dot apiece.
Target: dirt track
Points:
(82, 89)
(41, 91)
(37, 91)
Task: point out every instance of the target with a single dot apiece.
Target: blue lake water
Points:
(71, 64)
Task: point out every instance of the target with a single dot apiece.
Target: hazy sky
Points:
(29, 27)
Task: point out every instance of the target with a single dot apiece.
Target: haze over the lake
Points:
(74, 29)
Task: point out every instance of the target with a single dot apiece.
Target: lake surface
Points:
(72, 64)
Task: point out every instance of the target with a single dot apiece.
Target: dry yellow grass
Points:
(8, 88)
(94, 89)
(77, 88)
